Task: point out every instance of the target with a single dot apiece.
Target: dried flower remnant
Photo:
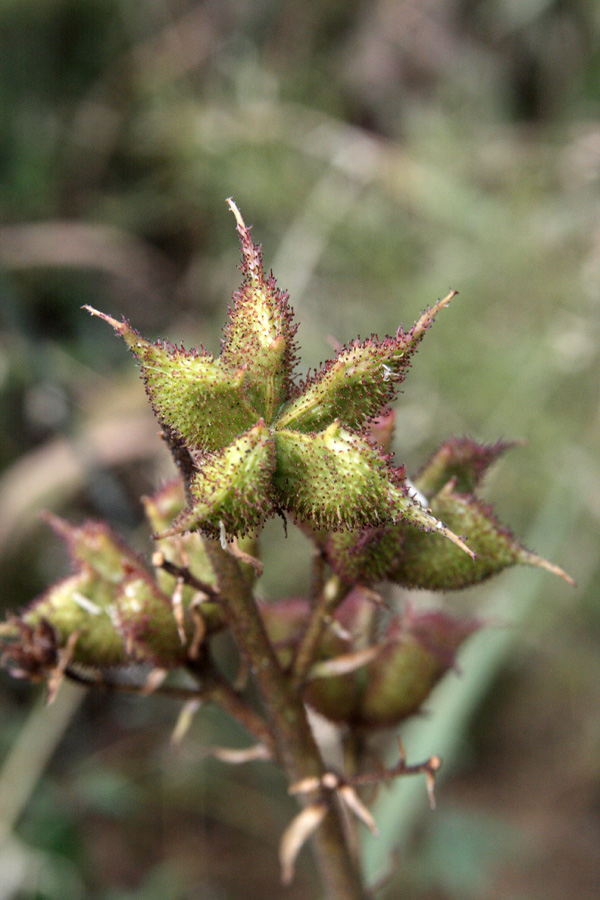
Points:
(345, 789)
(31, 651)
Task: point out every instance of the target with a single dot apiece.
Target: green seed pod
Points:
(112, 604)
(403, 554)
(82, 604)
(422, 647)
(434, 563)
(398, 677)
(262, 444)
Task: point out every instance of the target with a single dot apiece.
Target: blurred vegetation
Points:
(384, 152)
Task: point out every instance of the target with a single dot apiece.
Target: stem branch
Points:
(296, 745)
(331, 596)
(214, 690)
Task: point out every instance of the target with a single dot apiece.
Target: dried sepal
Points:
(350, 798)
(343, 789)
(295, 836)
(259, 337)
(344, 664)
(232, 488)
(247, 559)
(361, 380)
(154, 680)
(237, 756)
(58, 674)
(184, 720)
(196, 398)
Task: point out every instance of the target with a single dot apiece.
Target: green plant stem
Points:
(332, 594)
(317, 574)
(298, 751)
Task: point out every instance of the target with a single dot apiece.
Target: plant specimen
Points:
(251, 441)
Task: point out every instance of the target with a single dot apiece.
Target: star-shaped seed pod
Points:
(259, 444)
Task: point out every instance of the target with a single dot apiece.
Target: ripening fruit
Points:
(113, 605)
(413, 559)
(416, 651)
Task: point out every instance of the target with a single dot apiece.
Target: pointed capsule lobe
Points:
(357, 385)
(233, 488)
(196, 398)
(336, 480)
(435, 564)
(260, 333)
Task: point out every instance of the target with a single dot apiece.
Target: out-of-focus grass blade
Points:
(31, 752)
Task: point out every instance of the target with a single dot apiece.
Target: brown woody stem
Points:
(184, 573)
(297, 749)
(224, 696)
(212, 691)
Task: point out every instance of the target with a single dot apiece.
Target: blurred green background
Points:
(384, 152)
